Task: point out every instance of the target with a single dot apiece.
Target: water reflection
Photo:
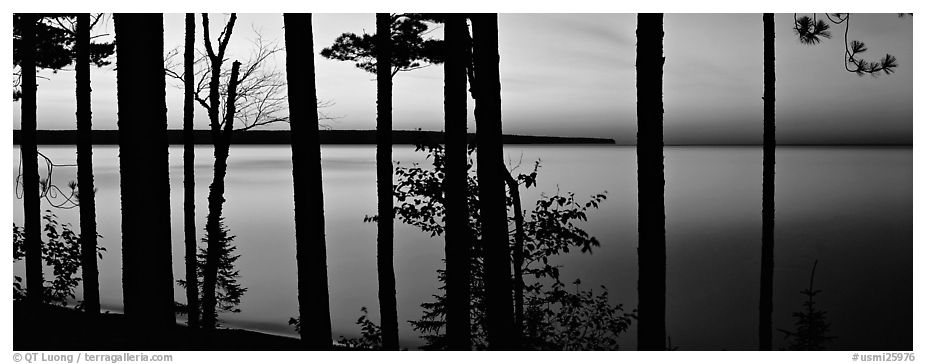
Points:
(849, 208)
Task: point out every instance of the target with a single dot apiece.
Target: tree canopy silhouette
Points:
(55, 42)
(410, 49)
(811, 31)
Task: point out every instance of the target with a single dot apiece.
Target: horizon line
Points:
(602, 140)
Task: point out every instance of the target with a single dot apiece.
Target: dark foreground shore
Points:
(61, 328)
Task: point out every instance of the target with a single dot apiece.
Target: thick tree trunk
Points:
(85, 188)
(457, 234)
(311, 255)
(30, 162)
(651, 185)
(147, 276)
(189, 184)
(216, 200)
(499, 304)
(768, 187)
(384, 238)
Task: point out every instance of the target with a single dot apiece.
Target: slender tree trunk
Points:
(651, 185)
(30, 162)
(311, 255)
(517, 253)
(189, 183)
(85, 188)
(384, 238)
(147, 283)
(221, 140)
(498, 286)
(216, 200)
(457, 234)
(215, 69)
(768, 187)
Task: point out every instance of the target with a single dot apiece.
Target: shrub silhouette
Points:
(556, 318)
(61, 252)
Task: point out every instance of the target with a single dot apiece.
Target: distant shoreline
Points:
(399, 137)
(272, 137)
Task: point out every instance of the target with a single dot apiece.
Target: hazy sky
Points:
(573, 75)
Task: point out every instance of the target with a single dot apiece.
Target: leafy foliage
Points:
(811, 327)
(228, 291)
(551, 231)
(19, 253)
(370, 334)
(61, 252)
(410, 51)
(560, 319)
(555, 318)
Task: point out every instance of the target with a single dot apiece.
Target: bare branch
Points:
(70, 27)
(95, 18)
(260, 99)
(171, 64)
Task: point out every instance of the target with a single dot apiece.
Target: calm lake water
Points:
(849, 208)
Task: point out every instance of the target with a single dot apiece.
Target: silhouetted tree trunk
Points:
(457, 234)
(30, 162)
(214, 232)
(651, 185)
(517, 253)
(311, 255)
(768, 187)
(489, 169)
(147, 278)
(221, 140)
(85, 188)
(384, 238)
(189, 183)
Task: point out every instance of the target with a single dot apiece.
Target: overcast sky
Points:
(573, 75)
